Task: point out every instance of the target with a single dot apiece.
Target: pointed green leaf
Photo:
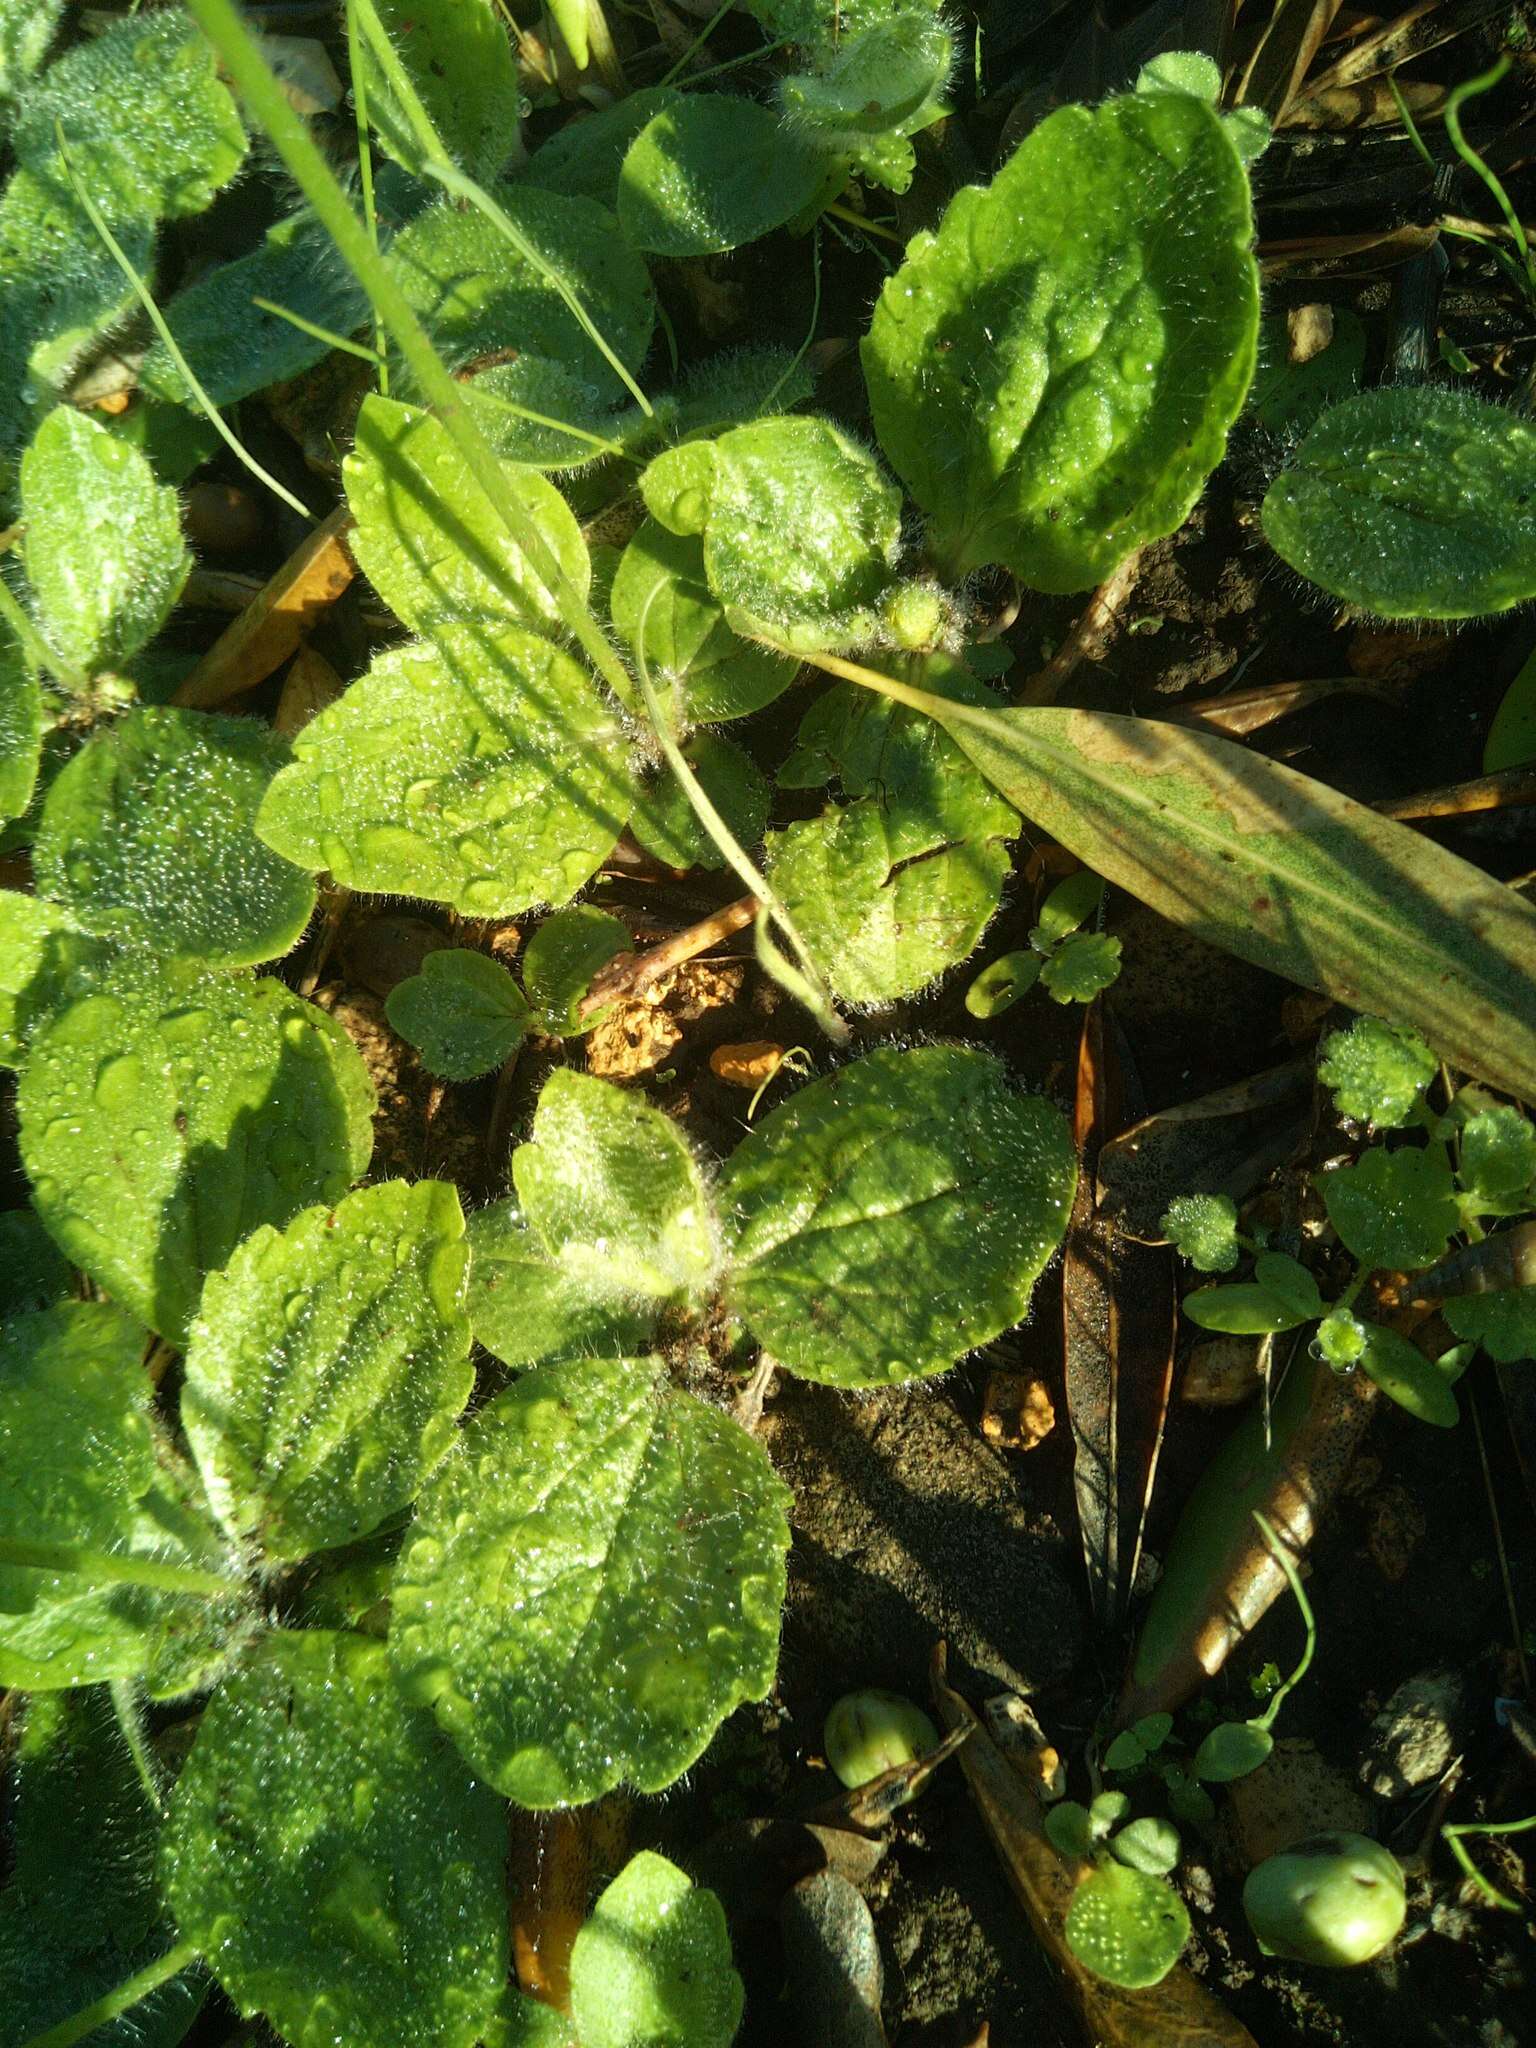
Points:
(1393, 1209)
(331, 1857)
(923, 1163)
(459, 58)
(652, 1966)
(1413, 1381)
(327, 1368)
(711, 173)
(165, 1114)
(1503, 1321)
(1289, 1281)
(584, 157)
(1001, 984)
(80, 1469)
(712, 672)
(665, 822)
(1412, 501)
(1053, 373)
(103, 545)
(22, 720)
(1232, 1750)
(147, 836)
(528, 1308)
(593, 1584)
(463, 1013)
(1511, 740)
(480, 769)
(563, 957)
(428, 538)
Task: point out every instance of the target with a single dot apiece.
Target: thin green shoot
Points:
(1452, 1837)
(122, 1998)
(735, 63)
(130, 1723)
(859, 220)
(157, 319)
(810, 333)
(1472, 89)
(365, 174)
(699, 40)
(1410, 126)
(1266, 1720)
(543, 419)
(316, 332)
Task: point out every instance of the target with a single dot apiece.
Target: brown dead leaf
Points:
(276, 620)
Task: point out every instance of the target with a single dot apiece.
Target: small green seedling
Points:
(1072, 965)
(1335, 1900)
(1126, 1923)
(873, 1731)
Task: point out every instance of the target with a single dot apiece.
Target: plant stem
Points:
(124, 1571)
(365, 173)
(130, 1724)
(85, 2022)
(1293, 1579)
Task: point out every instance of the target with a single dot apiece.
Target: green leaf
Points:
(871, 89)
(1232, 1750)
(711, 173)
(480, 769)
(26, 29)
(428, 538)
(103, 545)
(147, 835)
(564, 955)
(1280, 870)
(1082, 966)
(34, 1273)
(459, 58)
(584, 157)
(1511, 740)
(235, 347)
(80, 1468)
(1411, 500)
(1393, 1209)
(1126, 1753)
(1066, 907)
(1377, 1073)
(1413, 1381)
(1203, 1229)
(570, 17)
(81, 1912)
(1498, 1154)
(327, 1368)
(1069, 1828)
(1126, 1927)
(665, 822)
(1244, 1310)
(503, 394)
(1053, 373)
(1149, 1845)
(523, 2022)
(1503, 1321)
(332, 1858)
(38, 945)
(676, 486)
(477, 295)
(528, 1308)
(924, 1163)
(611, 1188)
(801, 531)
(999, 986)
(593, 1584)
(22, 721)
(1289, 1281)
(463, 1013)
(711, 671)
(652, 1966)
(165, 1114)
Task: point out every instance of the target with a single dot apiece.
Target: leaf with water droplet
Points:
(1503, 1321)
(593, 1582)
(39, 946)
(480, 769)
(652, 1966)
(463, 1013)
(1054, 371)
(166, 1113)
(563, 956)
(926, 1164)
(871, 86)
(80, 1468)
(713, 172)
(1394, 1209)
(1126, 1926)
(527, 1308)
(147, 836)
(332, 1858)
(711, 672)
(457, 56)
(325, 1379)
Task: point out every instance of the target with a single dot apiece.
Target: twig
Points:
(632, 972)
(1089, 639)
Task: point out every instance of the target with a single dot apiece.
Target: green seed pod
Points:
(870, 1732)
(1334, 1899)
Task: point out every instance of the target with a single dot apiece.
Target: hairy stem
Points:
(117, 1570)
(126, 1995)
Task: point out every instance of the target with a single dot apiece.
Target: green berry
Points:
(870, 1732)
(1333, 1899)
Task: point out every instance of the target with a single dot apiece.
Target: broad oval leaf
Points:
(662, 604)
(428, 538)
(1280, 870)
(610, 1186)
(463, 1013)
(563, 958)
(480, 769)
(584, 156)
(593, 1583)
(167, 1113)
(711, 173)
(527, 1308)
(652, 1966)
(665, 822)
(1053, 373)
(1406, 1376)
(1395, 1209)
(332, 1858)
(1242, 1310)
(458, 56)
(80, 1468)
(103, 547)
(147, 836)
(327, 1367)
(1128, 1927)
(925, 1164)
(1412, 501)
(1232, 1750)
(39, 943)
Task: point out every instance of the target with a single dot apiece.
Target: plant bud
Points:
(870, 1732)
(1334, 1899)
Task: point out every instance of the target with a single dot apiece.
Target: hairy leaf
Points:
(39, 943)
(665, 822)
(327, 1367)
(166, 1113)
(1377, 1074)
(1203, 1229)
(147, 836)
(463, 1013)
(593, 1584)
(1411, 501)
(652, 1966)
(923, 1163)
(1053, 373)
(872, 88)
(584, 157)
(479, 769)
(428, 538)
(459, 58)
(563, 957)
(711, 173)
(712, 672)
(21, 732)
(1498, 1155)
(330, 1855)
(528, 1308)
(26, 29)
(103, 547)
